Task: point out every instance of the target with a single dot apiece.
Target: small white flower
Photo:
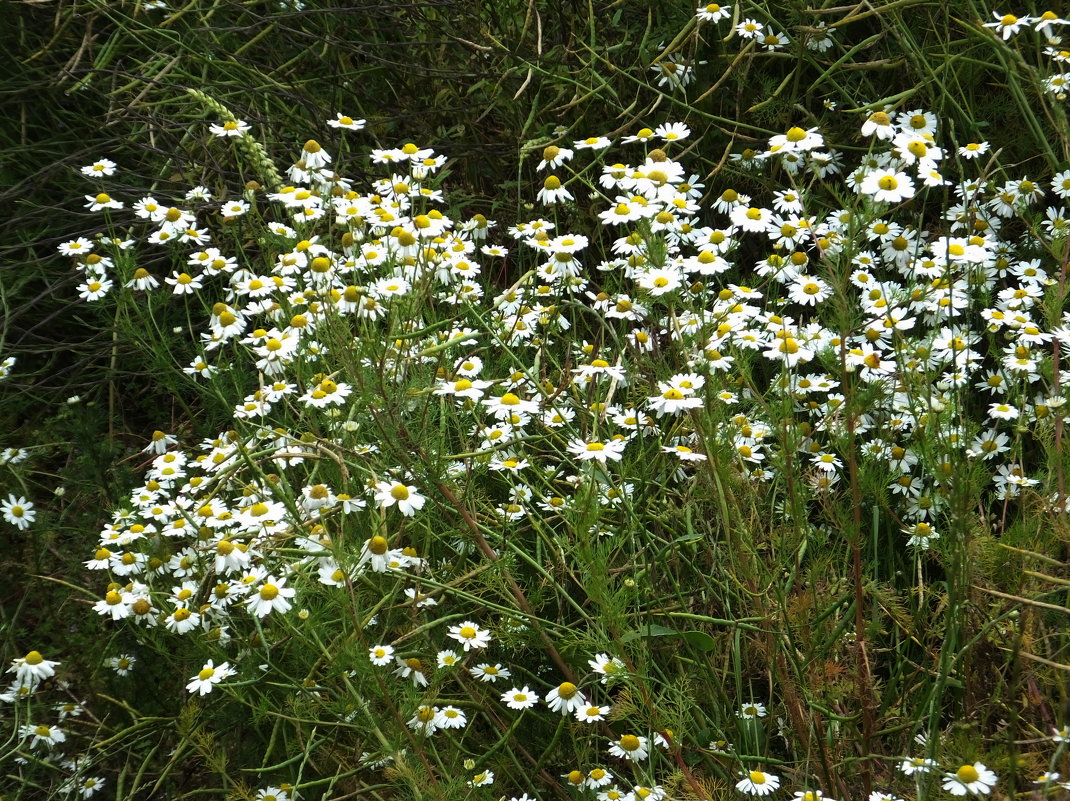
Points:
(230, 128)
(757, 782)
(18, 512)
(470, 635)
(350, 124)
(99, 168)
(974, 779)
(520, 698)
(565, 698)
(381, 655)
(751, 711)
(914, 765)
(630, 746)
(407, 499)
(31, 669)
(887, 186)
(209, 676)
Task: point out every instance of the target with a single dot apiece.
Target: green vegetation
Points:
(449, 400)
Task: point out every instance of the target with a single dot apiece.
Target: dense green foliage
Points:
(719, 585)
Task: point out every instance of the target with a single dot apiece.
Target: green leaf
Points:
(699, 639)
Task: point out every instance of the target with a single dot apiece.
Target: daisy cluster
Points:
(676, 71)
(1048, 26)
(543, 361)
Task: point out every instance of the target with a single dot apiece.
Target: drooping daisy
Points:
(974, 779)
(411, 668)
(796, 139)
(31, 669)
(425, 721)
(47, 736)
(552, 191)
(209, 676)
(713, 12)
(597, 777)
(565, 698)
(115, 604)
(630, 746)
(1006, 25)
(757, 782)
